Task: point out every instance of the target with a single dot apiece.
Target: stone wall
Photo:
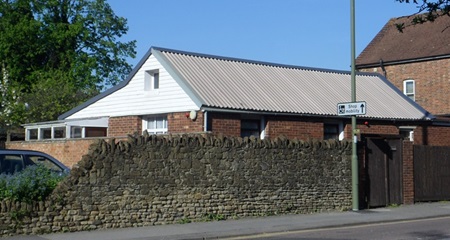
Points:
(150, 180)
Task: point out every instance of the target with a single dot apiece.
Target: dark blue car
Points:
(12, 161)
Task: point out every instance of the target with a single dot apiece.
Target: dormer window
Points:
(151, 80)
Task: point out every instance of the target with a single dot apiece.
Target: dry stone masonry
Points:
(150, 180)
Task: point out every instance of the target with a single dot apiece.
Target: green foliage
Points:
(432, 9)
(184, 221)
(34, 183)
(59, 53)
(213, 217)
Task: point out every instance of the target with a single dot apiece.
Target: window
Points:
(250, 128)
(46, 133)
(49, 164)
(87, 132)
(59, 132)
(155, 124)
(76, 132)
(409, 89)
(407, 132)
(330, 131)
(11, 164)
(151, 80)
(32, 134)
(95, 132)
(156, 80)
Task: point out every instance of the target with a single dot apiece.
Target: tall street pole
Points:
(355, 177)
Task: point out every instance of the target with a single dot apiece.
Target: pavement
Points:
(258, 225)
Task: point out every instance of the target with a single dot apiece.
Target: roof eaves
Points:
(108, 91)
(404, 61)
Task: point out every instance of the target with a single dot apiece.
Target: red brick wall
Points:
(68, 152)
(408, 172)
(227, 124)
(432, 135)
(378, 129)
(432, 80)
(294, 128)
(179, 123)
(375, 128)
(122, 126)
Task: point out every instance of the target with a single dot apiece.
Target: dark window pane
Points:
(250, 128)
(155, 80)
(330, 131)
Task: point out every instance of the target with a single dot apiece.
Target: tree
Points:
(59, 53)
(432, 9)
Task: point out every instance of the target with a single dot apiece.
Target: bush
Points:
(34, 183)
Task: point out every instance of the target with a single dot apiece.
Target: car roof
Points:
(26, 152)
(22, 151)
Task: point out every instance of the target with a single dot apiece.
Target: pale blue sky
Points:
(307, 33)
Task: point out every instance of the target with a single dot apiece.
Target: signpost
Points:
(352, 108)
(355, 185)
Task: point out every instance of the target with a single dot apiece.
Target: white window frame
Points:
(152, 80)
(153, 119)
(407, 131)
(411, 95)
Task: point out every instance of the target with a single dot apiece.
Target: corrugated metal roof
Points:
(239, 84)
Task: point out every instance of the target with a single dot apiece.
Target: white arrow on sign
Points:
(352, 108)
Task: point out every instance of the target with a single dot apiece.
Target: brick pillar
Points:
(408, 172)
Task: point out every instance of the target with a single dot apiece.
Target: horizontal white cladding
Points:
(133, 99)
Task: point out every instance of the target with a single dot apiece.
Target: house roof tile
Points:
(416, 42)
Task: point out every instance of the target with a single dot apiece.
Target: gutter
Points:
(237, 111)
(397, 62)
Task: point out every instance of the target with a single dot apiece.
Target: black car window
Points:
(11, 163)
(48, 163)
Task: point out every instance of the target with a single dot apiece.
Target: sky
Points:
(307, 33)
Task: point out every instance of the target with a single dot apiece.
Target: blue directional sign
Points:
(352, 108)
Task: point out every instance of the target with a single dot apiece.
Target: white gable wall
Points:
(132, 100)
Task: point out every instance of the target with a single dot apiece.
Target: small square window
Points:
(32, 134)
(331, 131)
(59, 132)
(46, 133)
(250, 128)
(76, 132)
(151, 80)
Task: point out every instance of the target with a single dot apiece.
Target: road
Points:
(423, 229)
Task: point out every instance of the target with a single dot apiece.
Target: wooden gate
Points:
(383, 163)
(431, 173)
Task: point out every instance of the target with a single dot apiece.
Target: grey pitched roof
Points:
(238, 84)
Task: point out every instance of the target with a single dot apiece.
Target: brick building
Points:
(172, 91)
(416, 61)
